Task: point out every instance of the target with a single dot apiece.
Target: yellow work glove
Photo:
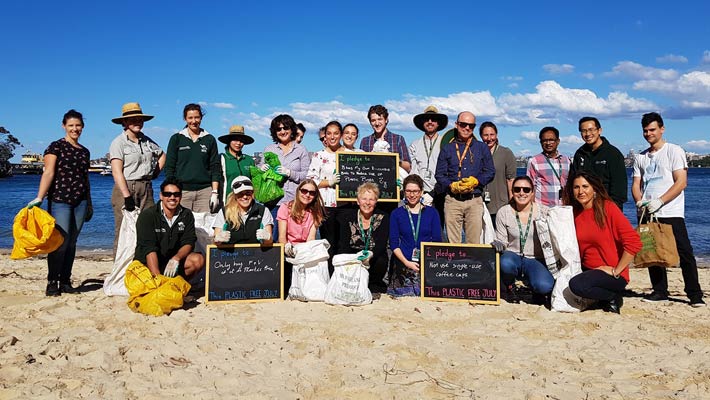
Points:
(470, 182)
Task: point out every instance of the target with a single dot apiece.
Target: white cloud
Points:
(706, 57)
(691, 87)
(672, 58)
(223, 105)
(513, 85)
(558, 69)
(553, 101)
(571, 139)
(529, 135)
(588, 75)
(638, 71)
(512, 78)
(700, 146)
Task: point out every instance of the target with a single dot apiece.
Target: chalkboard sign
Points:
(357, 168)
(244, 272)
(468, 272)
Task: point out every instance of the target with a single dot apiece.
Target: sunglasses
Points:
(518, 189)
(466, 125)
(172, 194)
(246, 193)
(282, 128)
(305, 191)
(236, 185)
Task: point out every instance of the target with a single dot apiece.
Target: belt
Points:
(139, 180)
(464, 196)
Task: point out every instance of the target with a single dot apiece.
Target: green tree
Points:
(8, 143)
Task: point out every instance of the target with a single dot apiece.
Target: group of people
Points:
(448, 180)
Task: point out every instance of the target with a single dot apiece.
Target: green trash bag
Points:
(268, 185)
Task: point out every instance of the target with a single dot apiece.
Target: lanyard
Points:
(365, 237)
(524, 238)
(415, 233)
(468, 143)
(553, 168)
(429, 151)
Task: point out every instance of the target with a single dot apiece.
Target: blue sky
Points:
(523, 65)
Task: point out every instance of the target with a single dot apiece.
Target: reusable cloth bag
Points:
(659, 247)
(125, 250)
(153, 295)
(34, 233)
(348, 285)
(309, 278)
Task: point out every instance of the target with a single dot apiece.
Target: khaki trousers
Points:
(197, 200)
(466, 214)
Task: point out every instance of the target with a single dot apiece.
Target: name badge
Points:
(415, 255)
(487, 196)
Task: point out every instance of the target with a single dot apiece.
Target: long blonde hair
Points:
(233, 213)
(298, 210)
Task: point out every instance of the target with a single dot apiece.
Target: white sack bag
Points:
(125, 250)
(349, 284)
(566, 248)
(203, 231)
(309, 278)
(488, 232)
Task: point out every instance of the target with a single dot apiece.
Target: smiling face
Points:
(193, 119)
(307, 193)
(245, 199)
(413, 193)
(73, 128)
(489, 136)
(170, 197)
(236, 146)
(549, 143)
(465, 124)
(378, 123)
(349, 136)
(134, 125)
(653, 133)
(522, 193)
(332, 137)
(367, 201)
(583, 192)
(591, 134)
(283, 134)
(431, 126)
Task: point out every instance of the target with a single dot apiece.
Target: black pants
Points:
(659, 278)
(329, 231)
(597, 285)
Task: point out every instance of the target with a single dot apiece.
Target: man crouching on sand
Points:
(166, 236)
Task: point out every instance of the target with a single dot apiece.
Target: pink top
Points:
(295, 232)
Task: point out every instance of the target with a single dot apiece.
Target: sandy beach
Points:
(89, 345)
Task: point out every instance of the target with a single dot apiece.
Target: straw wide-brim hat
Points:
(236, 132)
(131, 110)
(433, 113)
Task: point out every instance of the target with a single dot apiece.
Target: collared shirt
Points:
(397, 144)
(172, 220)
(424, 153)
(297, 160)
(477, 162)
(139, 159)
(547, 184)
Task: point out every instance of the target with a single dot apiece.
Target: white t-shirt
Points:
(656, 173)
(266, 219)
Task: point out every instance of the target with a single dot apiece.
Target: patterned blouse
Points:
(71, 173)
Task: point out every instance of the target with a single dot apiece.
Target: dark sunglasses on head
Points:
(236, 185)
(518, 189)
(172, 194)
(466, 125)
(305, 191)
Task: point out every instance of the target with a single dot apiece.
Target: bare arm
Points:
(183, 252)
(406, 165)
(50, 164)
(311, 233)
(680, 182)
(636, 191)
(509, 183)
(161, 162)
(118, 178)
(152, 260)
(282, 231)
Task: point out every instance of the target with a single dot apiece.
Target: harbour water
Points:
(97, 235)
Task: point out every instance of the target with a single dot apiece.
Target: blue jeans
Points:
(69, 220)
(275, 232)
(529, 270)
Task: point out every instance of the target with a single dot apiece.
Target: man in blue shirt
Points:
(464, 166)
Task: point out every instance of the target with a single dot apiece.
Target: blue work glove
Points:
(498, 245)
(34, 203)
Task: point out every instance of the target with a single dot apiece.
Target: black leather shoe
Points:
(66, 287)
(614, 305)
(53, 289)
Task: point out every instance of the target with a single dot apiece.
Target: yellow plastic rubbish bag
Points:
(34, 233)
(153, 295)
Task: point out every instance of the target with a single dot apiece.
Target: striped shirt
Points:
(549, 174)
(397, 144)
